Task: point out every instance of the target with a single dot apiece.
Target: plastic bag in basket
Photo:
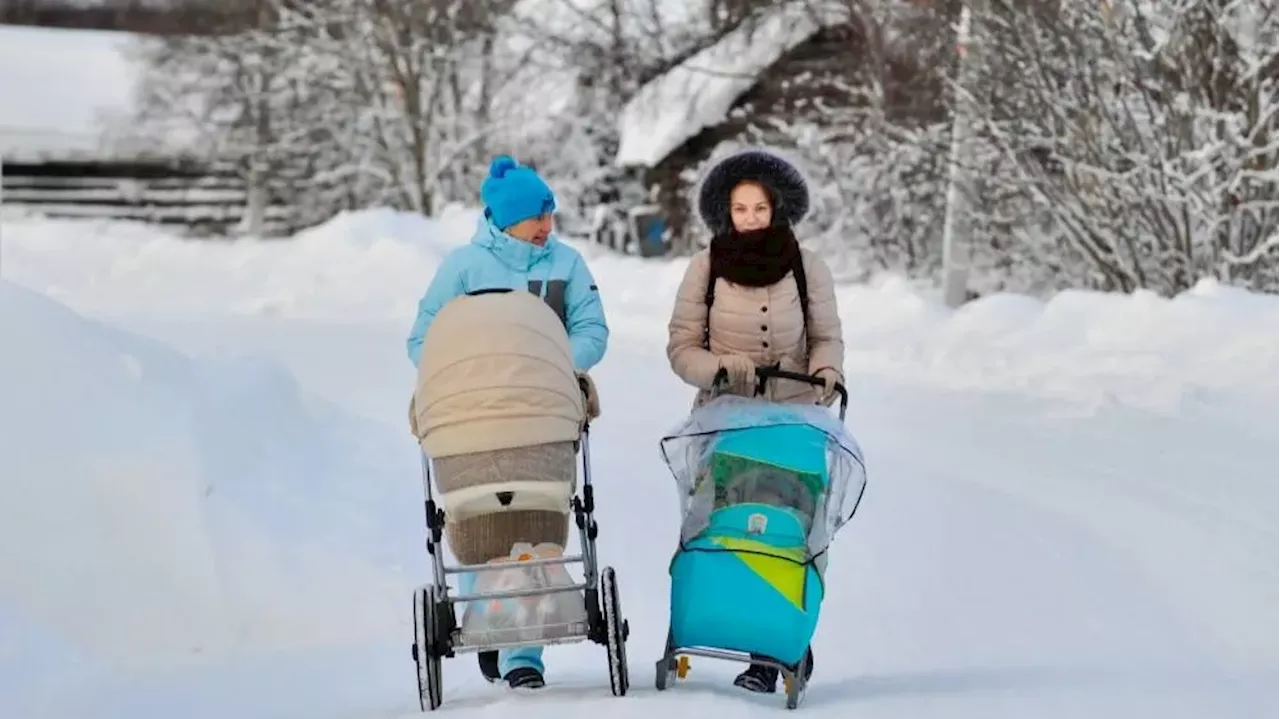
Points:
(530, 618)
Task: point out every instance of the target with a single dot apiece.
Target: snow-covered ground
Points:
(210, 502)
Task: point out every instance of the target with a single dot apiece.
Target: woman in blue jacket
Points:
(515, 248)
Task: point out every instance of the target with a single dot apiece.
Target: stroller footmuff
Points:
(502, 421)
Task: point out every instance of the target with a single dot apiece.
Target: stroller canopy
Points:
(496, 372)
(737, 450)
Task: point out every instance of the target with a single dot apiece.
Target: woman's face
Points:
(749, 207)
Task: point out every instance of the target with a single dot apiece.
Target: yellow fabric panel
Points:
(782, 569)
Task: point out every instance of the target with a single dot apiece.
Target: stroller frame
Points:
(674, 663)
(437, 633)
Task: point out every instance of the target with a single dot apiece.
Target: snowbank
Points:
(156, 510)
(1084, 349)
(373, 263)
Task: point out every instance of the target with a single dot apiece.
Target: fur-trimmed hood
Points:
(786, 185)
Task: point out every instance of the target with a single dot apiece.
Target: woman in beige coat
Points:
(756, 298)
(742, 302)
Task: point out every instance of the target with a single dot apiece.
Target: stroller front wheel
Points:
(426, 653)
(796, 682)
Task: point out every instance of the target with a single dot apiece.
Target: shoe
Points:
(525, 678)
(489, 667)
(758, 678)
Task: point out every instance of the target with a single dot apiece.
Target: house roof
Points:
(700, 91)
(69, 95)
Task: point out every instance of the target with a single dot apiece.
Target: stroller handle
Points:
(586, 399)
(768, 372)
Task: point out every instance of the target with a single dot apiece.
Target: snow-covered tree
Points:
(413, 89)
(341, 103)
(247, 92)
(585, 59)
(1146, 130)
(1120, 143)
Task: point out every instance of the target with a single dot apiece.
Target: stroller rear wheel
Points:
(616, 631)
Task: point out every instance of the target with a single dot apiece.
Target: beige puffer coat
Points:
(764, 323)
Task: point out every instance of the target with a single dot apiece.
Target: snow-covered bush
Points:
(1146, 130)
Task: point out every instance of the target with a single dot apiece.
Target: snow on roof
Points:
(540, 37)
(66, 93)
(699, 92)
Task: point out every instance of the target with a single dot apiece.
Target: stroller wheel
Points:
(662, 675)
(670, 669)
(665, 668)
(426, 648)
(795, 683)
(615, 632)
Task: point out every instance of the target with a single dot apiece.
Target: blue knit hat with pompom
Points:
(513, 192)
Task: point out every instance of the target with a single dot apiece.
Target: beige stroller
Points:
(501, 418)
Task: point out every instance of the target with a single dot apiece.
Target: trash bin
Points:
(649, 229)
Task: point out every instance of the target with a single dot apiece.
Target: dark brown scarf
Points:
(756, 258)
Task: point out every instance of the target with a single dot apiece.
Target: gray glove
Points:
(741, 371)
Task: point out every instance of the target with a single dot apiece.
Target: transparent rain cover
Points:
(539, 617)
(824, 494)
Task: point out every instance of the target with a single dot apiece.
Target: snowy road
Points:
(1041, 537)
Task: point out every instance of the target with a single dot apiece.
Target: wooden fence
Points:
(195, 201)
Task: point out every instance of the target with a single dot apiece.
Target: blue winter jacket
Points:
(555, 271)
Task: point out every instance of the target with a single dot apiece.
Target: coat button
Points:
(764, 328)
(765, 343)
(764, 308)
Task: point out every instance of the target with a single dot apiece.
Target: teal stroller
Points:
(764, 487)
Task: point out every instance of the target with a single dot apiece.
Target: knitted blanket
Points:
(478, 539)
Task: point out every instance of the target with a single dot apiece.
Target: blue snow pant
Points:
(508, 659)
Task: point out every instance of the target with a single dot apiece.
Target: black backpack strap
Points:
(802, 287)
(710, 298)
